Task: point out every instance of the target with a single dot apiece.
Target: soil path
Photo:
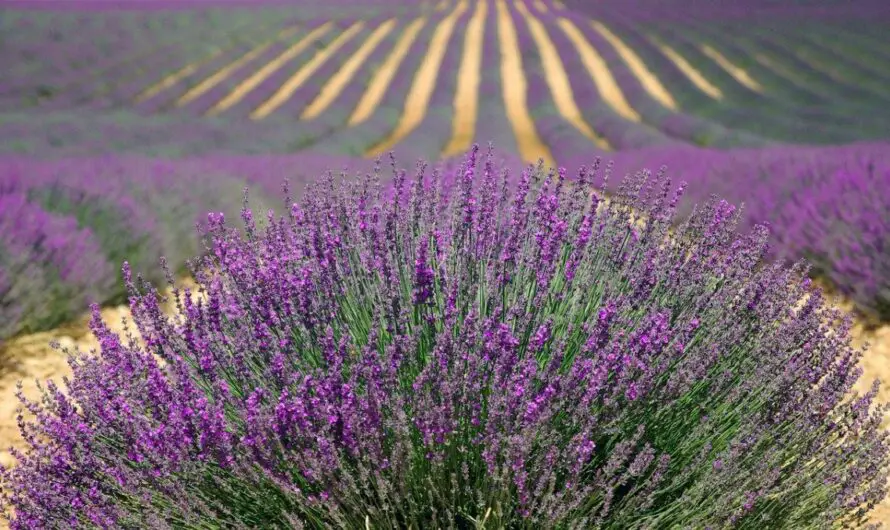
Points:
(33, 359)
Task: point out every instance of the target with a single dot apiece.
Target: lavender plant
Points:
(466, 352)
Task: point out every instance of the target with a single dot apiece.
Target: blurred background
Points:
(124, 122)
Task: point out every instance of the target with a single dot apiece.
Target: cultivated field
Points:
(123, 126)
(434, 79)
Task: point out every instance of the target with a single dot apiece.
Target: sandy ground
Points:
(33, 359)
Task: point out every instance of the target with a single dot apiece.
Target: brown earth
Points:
(31, 358)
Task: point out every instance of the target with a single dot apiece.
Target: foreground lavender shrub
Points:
(466, 356)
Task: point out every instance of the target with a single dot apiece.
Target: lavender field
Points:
(129, 126)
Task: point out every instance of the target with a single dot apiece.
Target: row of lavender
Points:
(457, 354)
(824, 63)
(796, 88)
(67, 225)
(63, 59)
(829, 205)
(743, 118)
(862, 10)
(722, 125)
(76, 133)
(61, 55)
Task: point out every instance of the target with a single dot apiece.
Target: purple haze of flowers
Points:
(842, 227)
(70, 223)
(357, 139)
(828, 205)
(448, 351)
(49, 268)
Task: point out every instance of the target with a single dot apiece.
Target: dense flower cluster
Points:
(460, 352)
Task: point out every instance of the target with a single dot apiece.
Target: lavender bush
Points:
(841, 225)
(466, 353)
